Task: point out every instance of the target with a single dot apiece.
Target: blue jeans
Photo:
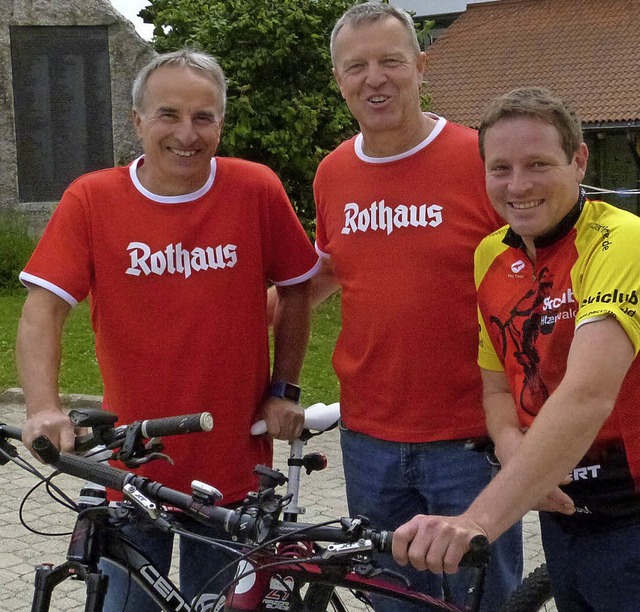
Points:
(593, 572)
(199, 561)
(391, 482)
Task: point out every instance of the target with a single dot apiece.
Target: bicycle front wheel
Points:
(533, 595)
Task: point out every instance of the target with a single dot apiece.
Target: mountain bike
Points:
(281, 563)
(534, 594)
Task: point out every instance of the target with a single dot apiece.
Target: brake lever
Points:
(138, 461)
(347, 549)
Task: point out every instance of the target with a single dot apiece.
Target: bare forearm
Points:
(501, 416)
(558, 439)
(292, 324)
(38, 354)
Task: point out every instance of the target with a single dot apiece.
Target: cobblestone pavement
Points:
(20, 550)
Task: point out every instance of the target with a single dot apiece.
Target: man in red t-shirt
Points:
(400, 210)
(175, 252)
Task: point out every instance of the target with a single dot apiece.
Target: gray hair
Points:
(370, 12)
(184, 58)
(536, 103)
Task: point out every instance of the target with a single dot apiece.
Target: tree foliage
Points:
(283, 108)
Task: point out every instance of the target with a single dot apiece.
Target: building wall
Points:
(431, 8)
(127, 54)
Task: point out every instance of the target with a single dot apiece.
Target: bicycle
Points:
(284, 555)
(534, 594)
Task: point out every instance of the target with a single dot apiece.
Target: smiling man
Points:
(559, 340)
(401, 208)
(175, 252)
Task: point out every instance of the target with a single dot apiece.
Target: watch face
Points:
(286, 391)
(291, 392)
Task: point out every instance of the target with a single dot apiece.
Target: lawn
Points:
(79, 370)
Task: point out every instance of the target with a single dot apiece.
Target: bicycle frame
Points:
(267, 582)
(270, 577)
(96, 541)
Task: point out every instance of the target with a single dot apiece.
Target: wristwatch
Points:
(286, 391)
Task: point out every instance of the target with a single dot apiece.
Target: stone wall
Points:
(128, 53)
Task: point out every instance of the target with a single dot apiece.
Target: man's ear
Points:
(581, 157)
(421, 63)
(136, 119)
(336, 76)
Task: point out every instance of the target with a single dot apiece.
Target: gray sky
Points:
(130, 8)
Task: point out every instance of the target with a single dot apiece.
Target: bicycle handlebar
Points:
(171, 426)
(247, 524)
(105, 433)
(318, 417)
(11, 432)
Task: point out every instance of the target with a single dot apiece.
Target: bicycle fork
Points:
(48, 577)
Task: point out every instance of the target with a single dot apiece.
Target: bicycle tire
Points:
(533, 594)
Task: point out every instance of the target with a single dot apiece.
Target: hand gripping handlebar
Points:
(317, 417)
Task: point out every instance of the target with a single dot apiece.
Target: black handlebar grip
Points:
(9, 431)
(171, 426)
(80, 467)
(478, 553)
(476, 556)
(383, 541)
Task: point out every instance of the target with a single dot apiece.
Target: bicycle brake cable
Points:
(256, 548)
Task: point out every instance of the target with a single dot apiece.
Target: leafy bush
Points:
(16, 246)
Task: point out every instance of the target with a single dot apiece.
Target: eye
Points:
(167, 115)
(539, 164)
(205, 119)
(355, 67)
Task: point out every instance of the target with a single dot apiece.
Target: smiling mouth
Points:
(525, 205)
(182, 153)
(377, 99)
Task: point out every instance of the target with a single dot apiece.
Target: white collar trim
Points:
(439, 126)
(187, 197)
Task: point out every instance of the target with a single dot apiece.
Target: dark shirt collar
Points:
(557, 233)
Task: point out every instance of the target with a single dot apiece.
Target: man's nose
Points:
(376, 75)
(520, 182)
(185, 131)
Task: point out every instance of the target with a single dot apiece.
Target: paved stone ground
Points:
(20, 550)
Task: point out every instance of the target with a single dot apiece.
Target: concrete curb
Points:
(15, 395)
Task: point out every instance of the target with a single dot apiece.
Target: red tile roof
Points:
(586, 51)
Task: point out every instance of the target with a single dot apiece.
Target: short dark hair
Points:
(184, 58)
(537, 103)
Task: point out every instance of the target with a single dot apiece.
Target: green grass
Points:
(79, 371)
(319, 382)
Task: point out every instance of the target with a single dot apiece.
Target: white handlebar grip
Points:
(320, 416)
(317, 417)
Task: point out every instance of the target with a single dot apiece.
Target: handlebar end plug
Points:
(45, 448)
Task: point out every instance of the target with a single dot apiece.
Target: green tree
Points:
(283, 107)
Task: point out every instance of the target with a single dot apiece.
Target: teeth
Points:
(377, 99)
(525, 205)
(183, 153)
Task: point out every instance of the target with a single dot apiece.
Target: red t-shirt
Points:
(401, 233)
(177, 287)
